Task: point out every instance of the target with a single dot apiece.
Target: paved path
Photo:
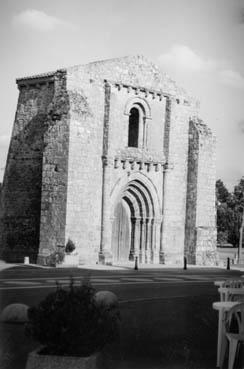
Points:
(24, 278)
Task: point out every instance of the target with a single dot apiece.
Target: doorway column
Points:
(132, 240)
(152, 237)
(137, 237)
(142, 240)
(156, 256)
(147, 240)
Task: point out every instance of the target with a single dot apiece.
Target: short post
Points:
(185, 263)
(228, 264)
(136, 263)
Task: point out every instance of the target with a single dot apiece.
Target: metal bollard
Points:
(228, 264)
(136, 263)
(185, 263)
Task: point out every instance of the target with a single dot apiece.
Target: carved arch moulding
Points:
(123, 182)
(133, 101)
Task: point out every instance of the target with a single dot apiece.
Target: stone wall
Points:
(55, 171)
(206, 212)
(176, 181)
(200, 238)
(191, 200)
(84, 190)
(21, 192)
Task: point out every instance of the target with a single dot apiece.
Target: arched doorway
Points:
(133, 228)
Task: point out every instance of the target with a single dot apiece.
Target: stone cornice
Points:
(147, 91)
(38, 79)
(137, 164)
(135, 154)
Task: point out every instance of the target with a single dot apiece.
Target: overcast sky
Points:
(199, 43)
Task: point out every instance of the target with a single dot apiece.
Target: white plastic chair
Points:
(235, 316)
(231, 283)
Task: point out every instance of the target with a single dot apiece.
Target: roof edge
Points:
(49, 76)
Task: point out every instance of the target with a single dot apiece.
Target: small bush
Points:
(70, 247)
(55, 258)
(69, 322)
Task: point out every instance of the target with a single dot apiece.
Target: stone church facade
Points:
(111, 155)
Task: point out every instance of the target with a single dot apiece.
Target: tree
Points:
(239, 207)
(229, 212)
(224, 215)
(222, 194)
(239, 193)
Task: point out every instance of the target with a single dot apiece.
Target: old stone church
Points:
(111, 155)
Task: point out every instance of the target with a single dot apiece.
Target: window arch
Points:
(133, 131)
(138, 102)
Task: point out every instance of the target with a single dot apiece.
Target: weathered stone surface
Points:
(21, 191)
(200, 230)
(71, 175)
(55, 171)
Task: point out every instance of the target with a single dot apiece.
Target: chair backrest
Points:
(235, 319)
(235, 297)
(233, 283)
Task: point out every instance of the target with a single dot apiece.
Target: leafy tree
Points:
(222, 194)
(229, 212)
(239, 193)
(224, 215)
(239, 207)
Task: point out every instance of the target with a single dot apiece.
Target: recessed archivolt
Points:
(146, 196)
(139, 200)
(130, 204)
(145, 189)
(133, 204)
(147, 207)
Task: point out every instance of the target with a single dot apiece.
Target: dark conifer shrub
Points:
(69, 322)
(70, 247)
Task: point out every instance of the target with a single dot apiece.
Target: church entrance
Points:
(134, 224)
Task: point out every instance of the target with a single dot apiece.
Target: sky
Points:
(199, 43)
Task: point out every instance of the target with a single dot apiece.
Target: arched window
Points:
(133, 134)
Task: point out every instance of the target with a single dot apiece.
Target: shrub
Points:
(70, 246)
(55, 258)
(69, 322)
